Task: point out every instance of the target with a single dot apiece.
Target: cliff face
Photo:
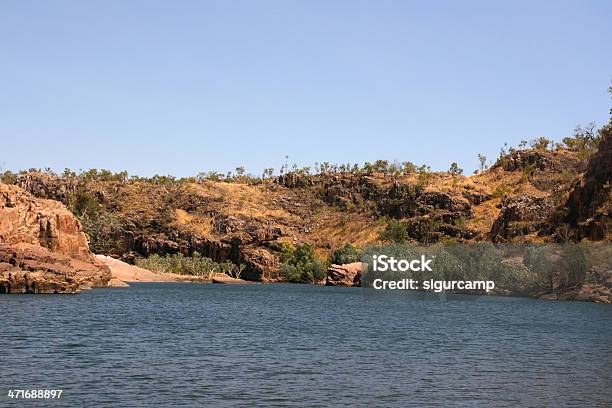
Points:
(246, 221)
(589, 203)
(43, 248)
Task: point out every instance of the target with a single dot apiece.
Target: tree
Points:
(267, 173)
(455, 170)
(483, 160)
(300, 265)
(541, 143)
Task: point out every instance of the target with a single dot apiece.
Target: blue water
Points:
(170, 344)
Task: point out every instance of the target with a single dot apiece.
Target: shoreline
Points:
(122, 274)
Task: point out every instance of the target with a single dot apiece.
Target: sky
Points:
(180, 87)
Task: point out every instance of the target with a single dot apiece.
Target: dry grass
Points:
(199, 224)
(349, 227)
(244, 200)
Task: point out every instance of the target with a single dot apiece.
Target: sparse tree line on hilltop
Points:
(584, 141)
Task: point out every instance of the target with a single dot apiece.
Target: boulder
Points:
(344, 275)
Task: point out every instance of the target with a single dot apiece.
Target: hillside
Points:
(530, 194)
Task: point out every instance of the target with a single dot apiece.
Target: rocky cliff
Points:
(589, 204)
(523, 197)
(43, 248)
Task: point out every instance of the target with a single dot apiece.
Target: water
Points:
(170, 344)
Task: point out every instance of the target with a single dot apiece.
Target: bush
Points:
(8, 177)
(103, 230)
(300, 265)
(345, 255)
(196, 265)
(83, 204)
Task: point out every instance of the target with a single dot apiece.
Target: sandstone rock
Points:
(117, 283)
(40, 222)
(43, 248)
(225, 279)
(123, 272)
(344, 275)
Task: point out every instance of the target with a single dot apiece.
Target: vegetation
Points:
(541, 269)
(540, 143)
(120, 211)
(455, 170)
(299, 265)
(482, 159)
(195, 265)
(345, 255)
(395, 232)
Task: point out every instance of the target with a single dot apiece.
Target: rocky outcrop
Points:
(45, 223)
(537, 160)
(520, 216)
(590, 201)
(43, 248)
(261, 264)
(344, 275)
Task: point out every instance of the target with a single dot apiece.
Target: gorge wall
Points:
(529, 195)
(43, 248)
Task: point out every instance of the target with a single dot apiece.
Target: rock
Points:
(123, 272)
(43, 248)
(117, 283)
(46, 223)
(475, 197)
(344, 275)
(520, 216)
(261, 264)
(225, 279)
(590, 201)
(589, 292)
(46, 186)
(538, 160)
(28, 268)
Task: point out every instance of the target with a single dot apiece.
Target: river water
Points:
(174, 344)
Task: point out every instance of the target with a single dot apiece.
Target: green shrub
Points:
(83, 204)
(300, 265)
(345, 255)
(395, 232)
(195, 265)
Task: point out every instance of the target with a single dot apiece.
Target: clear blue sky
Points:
(178, 87)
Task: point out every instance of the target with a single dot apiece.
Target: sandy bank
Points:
(228, 279)
(123, 272)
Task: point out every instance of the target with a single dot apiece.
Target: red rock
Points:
(43, 248)
(344, 275)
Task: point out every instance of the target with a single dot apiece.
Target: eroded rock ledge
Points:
(43, 248)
